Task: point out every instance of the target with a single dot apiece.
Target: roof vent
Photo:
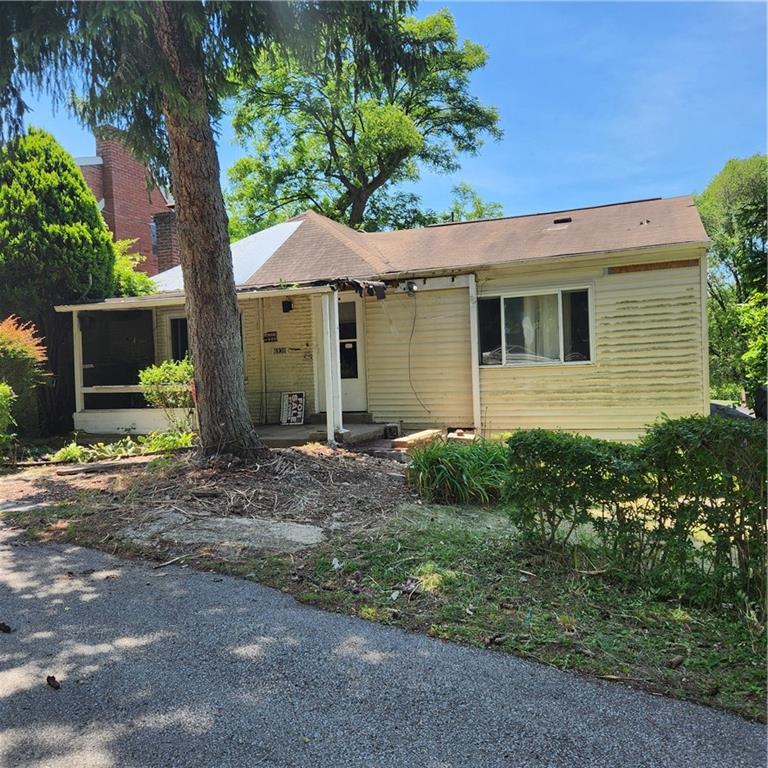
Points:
(563, 220)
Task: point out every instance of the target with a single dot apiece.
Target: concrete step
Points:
(347, 417)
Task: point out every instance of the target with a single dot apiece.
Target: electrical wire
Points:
(410, 344)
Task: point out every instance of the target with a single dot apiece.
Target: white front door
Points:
(352, 353)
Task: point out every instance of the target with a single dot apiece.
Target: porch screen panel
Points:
(116, 346)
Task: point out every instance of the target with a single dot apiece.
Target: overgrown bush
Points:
(682, 513)
(156, 442)
(457, 471)
(7, 397)
(129, 279)
(556, 480)
(709, 497)
(169, 386)
(22, 354)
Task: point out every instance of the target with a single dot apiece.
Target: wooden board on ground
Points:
(416, 438)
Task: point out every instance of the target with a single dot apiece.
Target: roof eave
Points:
(465, 269)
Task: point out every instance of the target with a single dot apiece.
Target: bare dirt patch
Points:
(295, 499)
(59, 483)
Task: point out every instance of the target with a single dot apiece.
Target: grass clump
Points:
(459, 472)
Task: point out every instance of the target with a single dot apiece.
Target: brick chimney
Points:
(166, 240)
(119, 182)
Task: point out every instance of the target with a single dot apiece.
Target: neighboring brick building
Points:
(119, 182)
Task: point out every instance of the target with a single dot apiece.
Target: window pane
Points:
(347, 320)
(489, 329)
(179, 339)
(575, 326)
(531, 329)
(348, 359)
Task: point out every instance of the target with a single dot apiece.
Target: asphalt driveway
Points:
(172, 667)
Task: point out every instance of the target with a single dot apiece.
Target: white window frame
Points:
(546, 291)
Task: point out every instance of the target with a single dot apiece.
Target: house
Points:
(132, 207)
(591, 320)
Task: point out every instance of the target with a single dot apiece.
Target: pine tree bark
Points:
(206, 260)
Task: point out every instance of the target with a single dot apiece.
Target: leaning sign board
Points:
(291, 407)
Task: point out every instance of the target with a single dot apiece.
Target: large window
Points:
(551, 327)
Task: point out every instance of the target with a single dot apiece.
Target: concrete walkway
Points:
(176, 668)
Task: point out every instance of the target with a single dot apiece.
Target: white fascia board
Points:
(177, 299)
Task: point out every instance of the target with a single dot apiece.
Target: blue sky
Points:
(599, 102)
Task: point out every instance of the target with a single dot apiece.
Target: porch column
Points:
(338, 407)
(77, 340)
(328, 368)
(474, 349)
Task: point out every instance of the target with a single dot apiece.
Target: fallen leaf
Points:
(675, 662)
(4, 628)
(53, 682)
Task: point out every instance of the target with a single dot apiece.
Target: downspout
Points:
(704, 305)
(474, 348)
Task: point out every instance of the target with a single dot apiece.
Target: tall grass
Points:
(459, 472)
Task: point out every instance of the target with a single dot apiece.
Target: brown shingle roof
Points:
(618, 227)
(322, 249)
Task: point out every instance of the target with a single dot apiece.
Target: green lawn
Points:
(459, 574)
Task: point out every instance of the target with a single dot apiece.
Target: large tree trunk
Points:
(357, 211)
(206, 259)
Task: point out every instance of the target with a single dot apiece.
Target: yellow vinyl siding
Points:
(648, 348)
(250, 318)
(440, 365)
(163, 317)
(291, 370)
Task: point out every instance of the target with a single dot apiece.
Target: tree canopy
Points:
(335, 131)
(55, 248)
(405, 210)
(734, 210)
